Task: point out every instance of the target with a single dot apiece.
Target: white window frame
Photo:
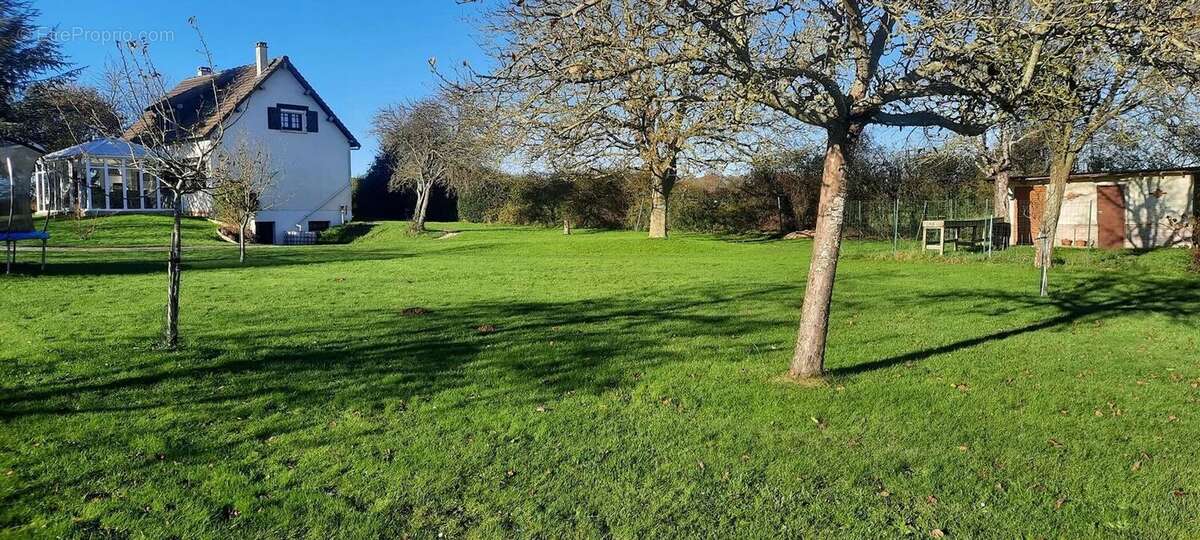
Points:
(283, 126)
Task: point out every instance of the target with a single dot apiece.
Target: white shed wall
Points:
(1158, 210)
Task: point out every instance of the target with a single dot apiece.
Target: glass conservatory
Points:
(96, 177)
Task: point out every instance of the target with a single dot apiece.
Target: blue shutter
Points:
(311, 121)
(272, 117)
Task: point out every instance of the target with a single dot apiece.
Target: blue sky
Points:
(358, 55)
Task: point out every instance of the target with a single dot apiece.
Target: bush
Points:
(592, 201)
(535, 200)
(482, 201)
(345, 233)
(725, 209)
(602, 201)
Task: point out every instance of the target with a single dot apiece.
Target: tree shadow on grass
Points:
(153, 262)
(293, 379)
(1089, 299)
(498, 350)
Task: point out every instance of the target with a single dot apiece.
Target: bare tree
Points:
(241, 177)
(178, 152)
(1099, 61)
(587, 84)
(843, 66)
(443, 140)
(994, 158)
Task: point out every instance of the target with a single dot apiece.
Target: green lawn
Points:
(596, 385)
(129, 230)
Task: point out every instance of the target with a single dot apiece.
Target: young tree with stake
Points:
(182, 165)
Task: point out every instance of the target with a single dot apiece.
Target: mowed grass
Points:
(126, 230)
(597, 385)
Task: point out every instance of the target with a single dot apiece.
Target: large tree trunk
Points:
(174, 259)
(1000, 196)
(661, 184)
(809, 358)
(1060, 172)
(418, 219)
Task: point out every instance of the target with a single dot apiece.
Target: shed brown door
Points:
(1110, 216)
(1030, 203)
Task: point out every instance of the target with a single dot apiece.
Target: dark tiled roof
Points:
(195, 106)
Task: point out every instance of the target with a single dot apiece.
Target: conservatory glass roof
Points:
(108, 147)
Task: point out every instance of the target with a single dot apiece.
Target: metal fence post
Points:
(896, 229)
(1045, 259)
(1089, 223)
(990, 229)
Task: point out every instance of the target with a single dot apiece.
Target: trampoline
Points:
(16, 221)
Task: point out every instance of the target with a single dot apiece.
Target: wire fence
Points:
(901, 218)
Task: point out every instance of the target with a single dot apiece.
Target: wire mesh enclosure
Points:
(887, 219)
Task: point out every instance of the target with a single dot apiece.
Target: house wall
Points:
(314, 168)
(1158, 210)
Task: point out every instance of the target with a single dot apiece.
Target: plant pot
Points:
(1081, 243)
(1066, 243)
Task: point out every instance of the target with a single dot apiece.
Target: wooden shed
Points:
(1139, 209)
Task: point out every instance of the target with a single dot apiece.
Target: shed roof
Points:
(1102, 176)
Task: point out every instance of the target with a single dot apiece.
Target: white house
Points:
(270, 104)
(1120, 209)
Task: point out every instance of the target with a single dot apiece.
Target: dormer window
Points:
(290, 120)
(294, 118)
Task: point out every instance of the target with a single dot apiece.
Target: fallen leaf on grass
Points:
(1058, 504)
(1137, 466)
(937, 533)
(1179, 492)
(1055, 443)
(414, 311)
(485, 329)
(931, 500)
